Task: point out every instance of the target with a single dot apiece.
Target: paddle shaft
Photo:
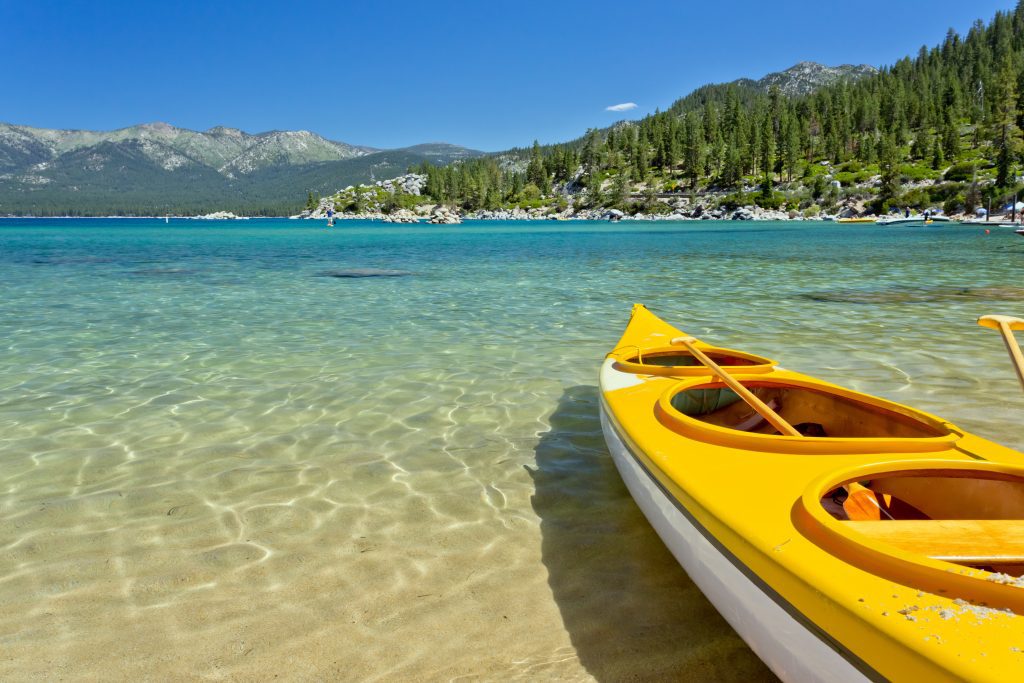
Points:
(754, 402)
(1014, 349)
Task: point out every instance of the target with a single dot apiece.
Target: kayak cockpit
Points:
(827, 417)
(907, 521)
(821, 413)
(971, 520)
(677, 361)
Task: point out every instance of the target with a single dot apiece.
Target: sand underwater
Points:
(238, 451)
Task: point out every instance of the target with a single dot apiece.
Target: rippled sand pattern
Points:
(217, 463)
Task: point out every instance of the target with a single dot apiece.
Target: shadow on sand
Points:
(631, 611)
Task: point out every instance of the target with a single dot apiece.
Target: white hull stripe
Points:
(859, 664)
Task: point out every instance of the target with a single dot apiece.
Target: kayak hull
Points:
(793, 649)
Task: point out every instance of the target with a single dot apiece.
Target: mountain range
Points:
(806, 77)
(157, 168)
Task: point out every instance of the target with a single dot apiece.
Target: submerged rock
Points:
(168, 272)
(364, 272)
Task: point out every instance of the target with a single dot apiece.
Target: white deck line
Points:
(792, 651)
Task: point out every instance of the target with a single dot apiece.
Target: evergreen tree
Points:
(535, 172)
(1006, 134)
(889, 163)
(620, 189)
(938, 158)
(693, 148)
(950, 140)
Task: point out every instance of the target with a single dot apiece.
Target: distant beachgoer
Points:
(927, 214)
(906, 212)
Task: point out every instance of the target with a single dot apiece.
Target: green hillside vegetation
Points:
(941, 129)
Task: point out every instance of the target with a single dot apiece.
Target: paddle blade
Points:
(992, 322)
(864, 504)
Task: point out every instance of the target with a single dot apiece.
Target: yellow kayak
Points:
(866, 219)
(875, 542)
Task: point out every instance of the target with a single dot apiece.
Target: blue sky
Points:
(488, 75)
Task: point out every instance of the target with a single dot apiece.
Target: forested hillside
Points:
(940, 129)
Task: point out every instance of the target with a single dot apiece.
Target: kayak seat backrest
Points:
(973, 542)
(666, 360)
(698, 402)
(959, 497)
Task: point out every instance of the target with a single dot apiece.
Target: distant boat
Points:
(918, 219)
(992, 223)
(861, 219)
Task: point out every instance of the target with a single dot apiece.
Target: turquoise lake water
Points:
(220, 459)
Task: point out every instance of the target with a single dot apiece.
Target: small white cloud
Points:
(625, 106)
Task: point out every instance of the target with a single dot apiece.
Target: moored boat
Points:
(869, 540)
(993, 223)
(903, 220)
(858, 219)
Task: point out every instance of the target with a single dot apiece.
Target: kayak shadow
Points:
(630, 610)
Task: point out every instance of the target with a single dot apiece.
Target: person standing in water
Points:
(330, 217)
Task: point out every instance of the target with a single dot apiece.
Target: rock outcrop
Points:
(220, 216)
(402, 216)
(444, 215)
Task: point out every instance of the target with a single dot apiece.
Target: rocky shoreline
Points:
(412, 185)
(440, 214)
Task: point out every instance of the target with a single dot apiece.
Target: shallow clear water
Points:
(218, 459)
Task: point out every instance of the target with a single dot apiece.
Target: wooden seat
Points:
(984, 542)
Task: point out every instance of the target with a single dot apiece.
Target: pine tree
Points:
(693, 148)
(938, 159)
(1006, 134)
(889, 162)
(767, 154)
(535, 172)
(950, 140)
(620, 189)
(791, 148)
(731, 166)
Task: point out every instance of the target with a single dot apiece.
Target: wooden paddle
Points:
(1006, 324)
(754, 402)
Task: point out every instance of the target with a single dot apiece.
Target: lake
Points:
(244, 449)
